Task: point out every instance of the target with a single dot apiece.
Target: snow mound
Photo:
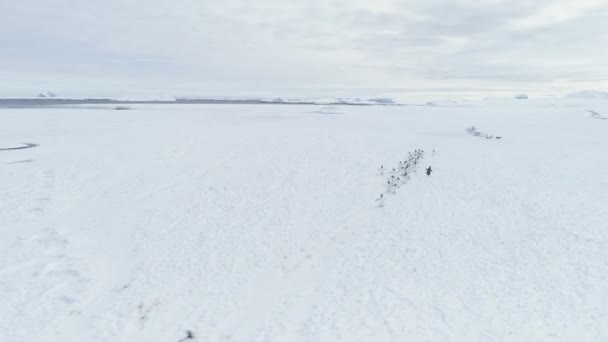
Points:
(444, 103)
(353, 101)
(48, 94)
(280, 100)
(383, 101)
(330, 110)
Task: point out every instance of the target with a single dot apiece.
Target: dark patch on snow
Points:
(21, 161)
(25, 145)
(597, 115)
(189, 336)
(145, 311)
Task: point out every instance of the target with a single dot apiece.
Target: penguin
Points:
(380, 201)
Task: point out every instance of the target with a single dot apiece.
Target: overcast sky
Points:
(284, 47)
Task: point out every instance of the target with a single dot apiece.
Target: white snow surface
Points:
(258, 223)
(330, 110)
(589, 94)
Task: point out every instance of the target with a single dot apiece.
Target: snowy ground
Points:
(259, 223)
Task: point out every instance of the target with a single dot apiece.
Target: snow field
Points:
(258, 223)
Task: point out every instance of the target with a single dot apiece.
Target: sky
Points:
(303, 48)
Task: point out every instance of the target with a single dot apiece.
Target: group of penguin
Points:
(474, 132)
(401, 174)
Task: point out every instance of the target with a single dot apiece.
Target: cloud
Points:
(278, 45)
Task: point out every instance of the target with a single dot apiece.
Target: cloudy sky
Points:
(284, 47)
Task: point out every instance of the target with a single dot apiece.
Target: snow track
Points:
(257, 223)
(18, 147)
(596, 115)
